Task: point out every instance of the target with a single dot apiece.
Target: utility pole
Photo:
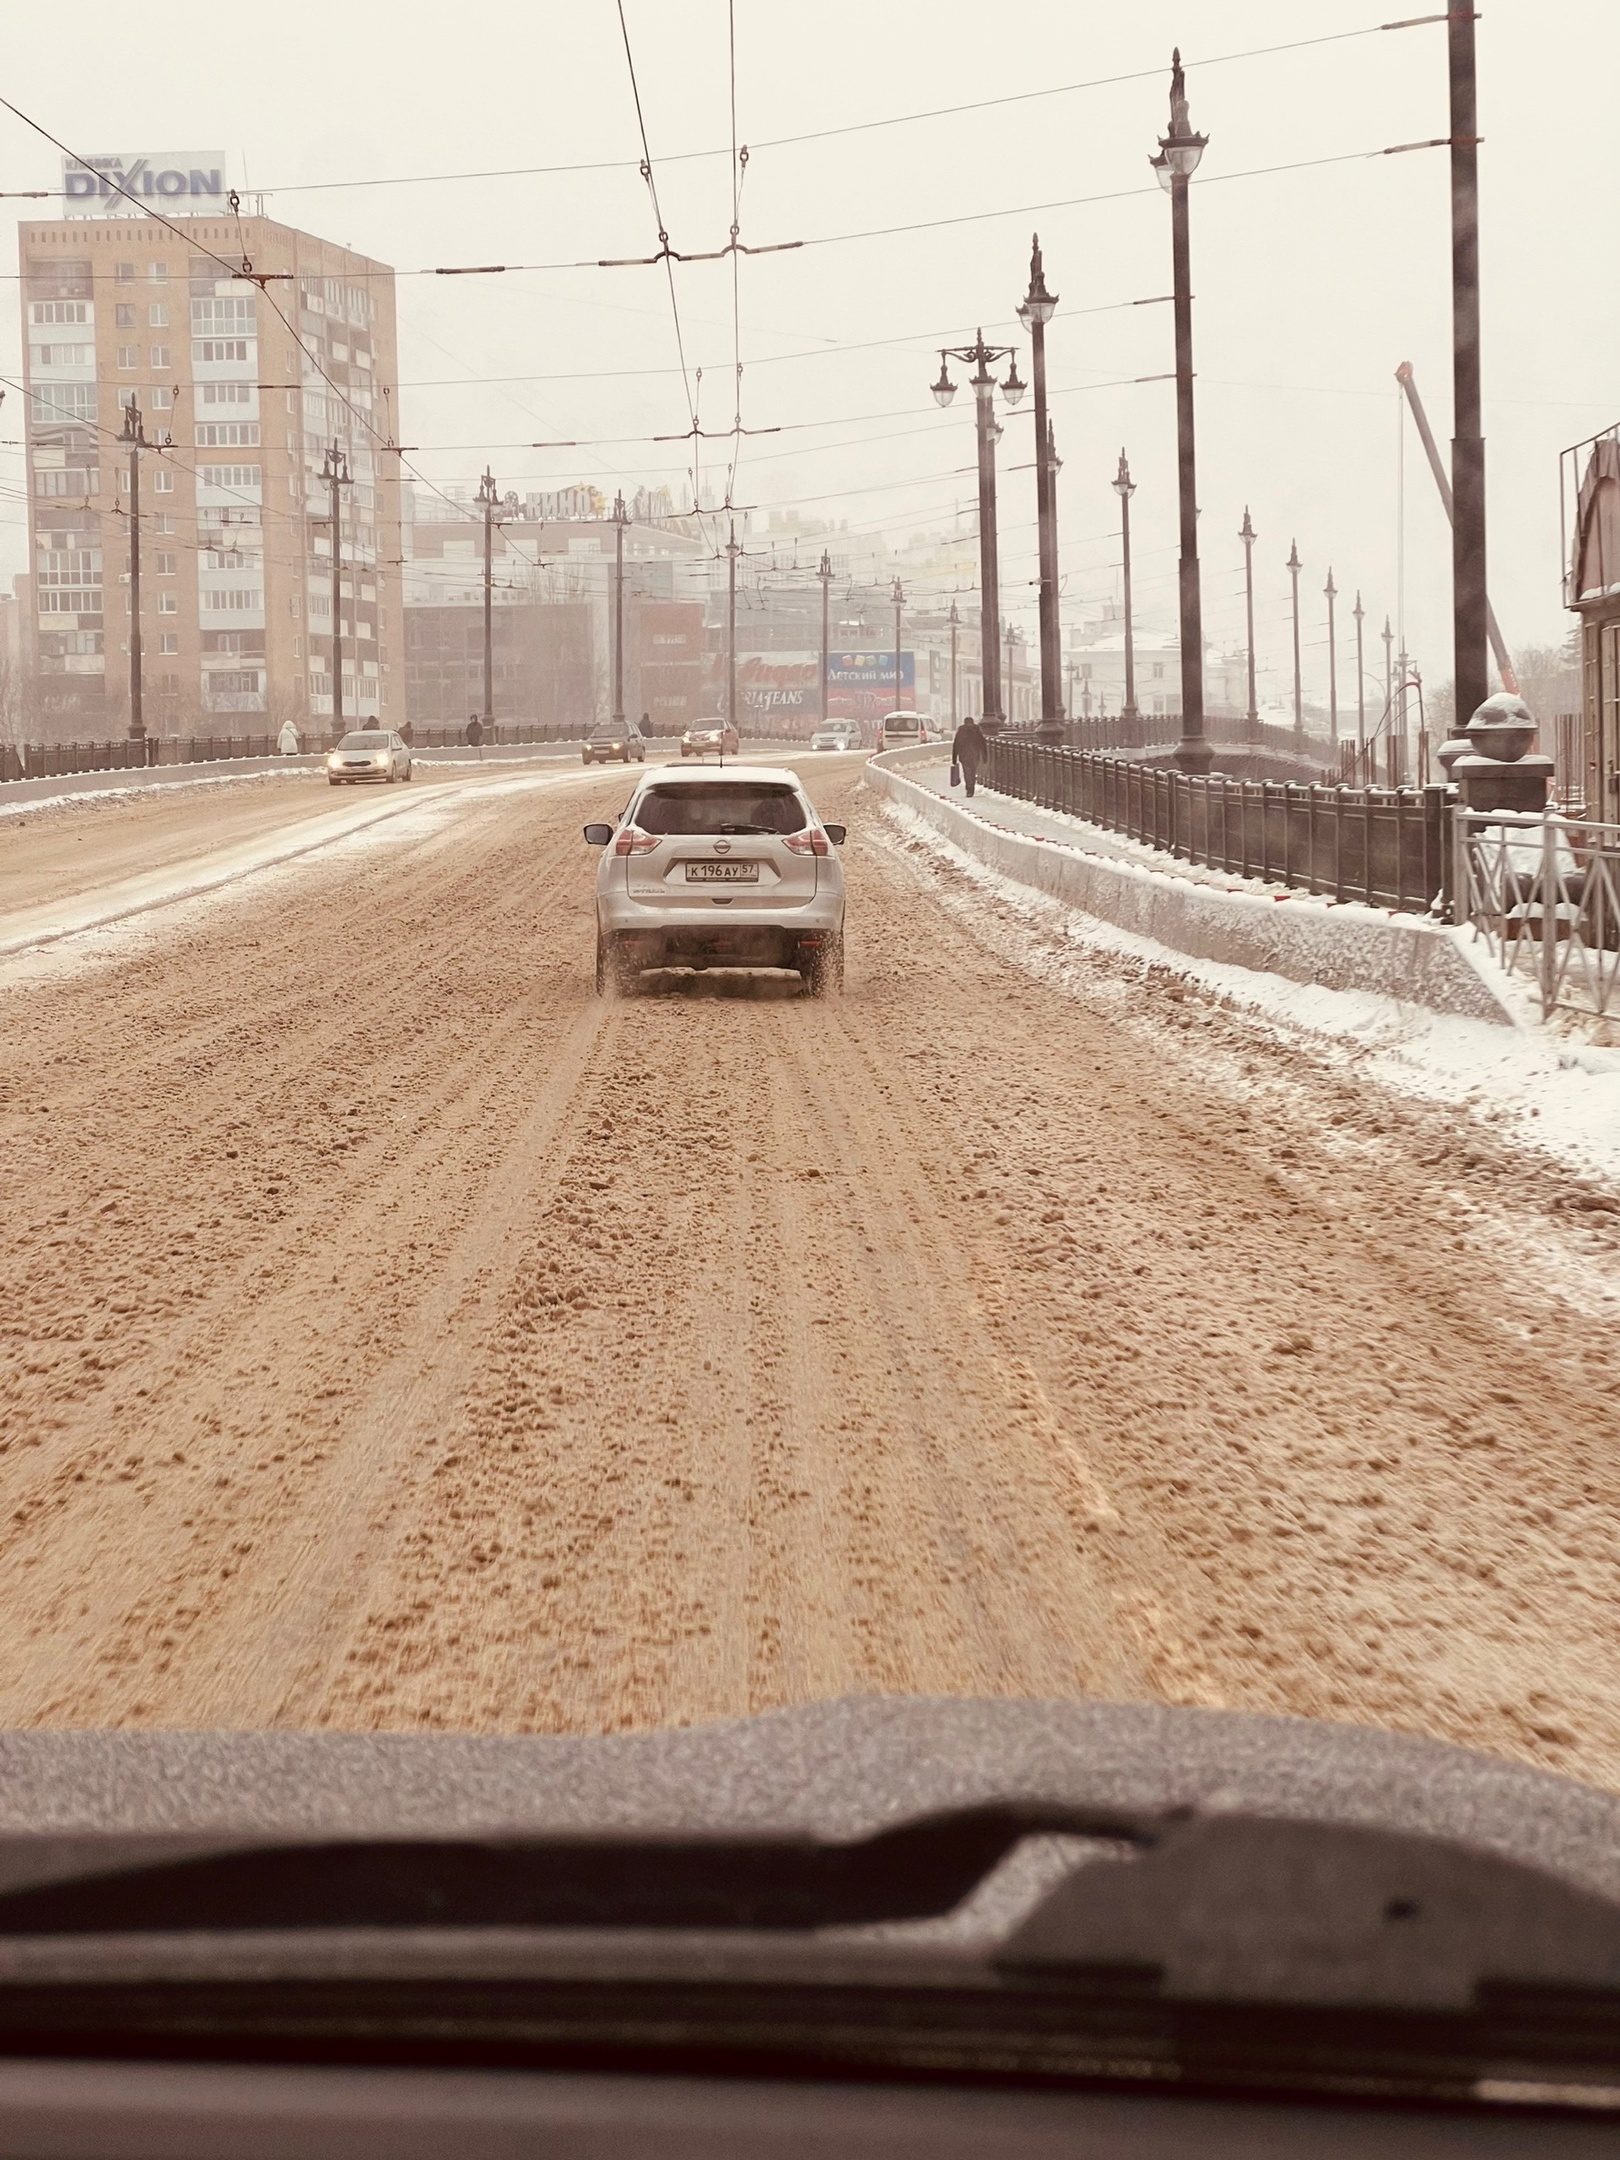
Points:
(335, 472)
(825, 575)
(621, 518)
(1248, 535)
(135, 435)
(1332, 593)
(1125, 488)
(1294, 568)
(955, 621)
(732, 552)
(1035, 312)
(1389, 673)
(899, 599)
(1470, 608)
(1359, 612)
(1406, 376)
(486, 496)
(1009, 699)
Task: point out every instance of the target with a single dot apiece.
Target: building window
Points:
(1158, 671)
(123, 316)
(158, 272)
(168, 603)
(163, 523)
(214, 349)
(59, 311)
(234, 599)
(63, 355)
(166, 563)
(129, 356)
(125, 273)
(169, 642)
(225, 393)
(227, 434)
(157, 315)
(163, 481)
(240, 680)
(160, 356)
(162, 399)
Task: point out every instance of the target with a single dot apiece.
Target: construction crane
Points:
(1408, 382)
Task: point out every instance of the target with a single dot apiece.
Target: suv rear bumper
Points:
(720, 936)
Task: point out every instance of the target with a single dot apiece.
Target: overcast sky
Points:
(1311, 284)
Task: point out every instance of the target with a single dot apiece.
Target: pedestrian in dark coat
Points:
(967, 748)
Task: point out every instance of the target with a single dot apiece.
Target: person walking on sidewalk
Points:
(967, 748)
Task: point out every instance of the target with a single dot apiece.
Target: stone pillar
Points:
(1500, 771)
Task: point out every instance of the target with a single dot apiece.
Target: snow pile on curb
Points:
(1548, 1093)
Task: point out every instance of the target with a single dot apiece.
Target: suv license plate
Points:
(722, 873)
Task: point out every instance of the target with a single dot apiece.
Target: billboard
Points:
(775, 690)
(176, 179)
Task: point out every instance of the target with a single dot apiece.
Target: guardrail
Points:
(50, 761)
(1384, 846)
(1544, 894)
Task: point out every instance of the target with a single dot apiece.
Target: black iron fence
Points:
(49, 761)
(1385, 846)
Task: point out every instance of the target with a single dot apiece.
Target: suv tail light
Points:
(631, 842)
(813, 842)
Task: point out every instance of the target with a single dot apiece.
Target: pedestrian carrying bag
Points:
(956, 773)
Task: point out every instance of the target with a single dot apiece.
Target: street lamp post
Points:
(897, 595)
(1294, 568)
(1125, 488)
(1389, 673)
(1359, 612)
(955, 621)
(1177, 161)
(824, 573)
(980, 356)
(1010, 677)
(1248, 535)
(1035, 312)
(1331, 593)
(733, 550)
(487, 499)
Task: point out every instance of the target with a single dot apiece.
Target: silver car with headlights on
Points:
(719, 869)
(368, 754)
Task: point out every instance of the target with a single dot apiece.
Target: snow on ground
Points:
(1541, 1088)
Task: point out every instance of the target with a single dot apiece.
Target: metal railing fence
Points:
(1543, 891)
(49, 761)
(1384, 846)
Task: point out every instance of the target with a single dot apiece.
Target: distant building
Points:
(236, 577)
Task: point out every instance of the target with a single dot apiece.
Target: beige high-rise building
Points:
(235, 517)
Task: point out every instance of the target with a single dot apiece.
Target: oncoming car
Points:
(719, 870)
(611, 739)
(836, 735)
(368, 754)
(705, 736)
(901, 728)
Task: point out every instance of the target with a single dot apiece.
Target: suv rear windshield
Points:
(721, 806)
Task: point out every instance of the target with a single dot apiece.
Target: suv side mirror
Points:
(598, 835)
(835, 833)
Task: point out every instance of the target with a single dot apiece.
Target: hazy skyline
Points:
(1312, 283)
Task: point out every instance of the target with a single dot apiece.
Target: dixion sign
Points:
(180, 179)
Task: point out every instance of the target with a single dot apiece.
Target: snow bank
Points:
(1308, 941)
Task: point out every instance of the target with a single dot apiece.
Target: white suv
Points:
(729, 868)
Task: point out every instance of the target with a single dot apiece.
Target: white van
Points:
(900, 728)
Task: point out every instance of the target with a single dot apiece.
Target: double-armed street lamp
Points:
(898, 597)
(1125, 488)
(1294, 568)
(1035, 311)
(1331, 594)
(982, 357)
(1177, 161)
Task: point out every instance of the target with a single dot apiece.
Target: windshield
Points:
(721, 806)
(554, 1210)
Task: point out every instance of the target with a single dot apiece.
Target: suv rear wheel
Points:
(613, 970)
(823, 971)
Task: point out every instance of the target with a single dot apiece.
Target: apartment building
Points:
(243, 384)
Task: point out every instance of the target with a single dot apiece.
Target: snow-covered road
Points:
(397, 1336)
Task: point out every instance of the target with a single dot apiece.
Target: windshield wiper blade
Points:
(919, 1870)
